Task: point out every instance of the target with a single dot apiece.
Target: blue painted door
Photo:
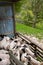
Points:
(6, 21)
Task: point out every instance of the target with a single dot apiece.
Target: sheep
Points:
(2, 43)
(5, 62)
(20, 49)
(26, 49)
(23, 56)
(34, 61)
(3, 56)
(18, 57)
(23, 53)
(4, 59)
(15, 50)
(5, 42)
(23, 59)
(16, 53)
(18, 41)
(12, 45)
(15, 42)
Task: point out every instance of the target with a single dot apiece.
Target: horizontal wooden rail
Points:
(35, 48)
(28, 39)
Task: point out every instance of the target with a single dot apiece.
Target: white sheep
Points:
(5, 62)
(12, 45)
(5, 42)
(4, 56)
(4, 59)
(18, 57)
(23, 59)
(27, 50)
(16, 52)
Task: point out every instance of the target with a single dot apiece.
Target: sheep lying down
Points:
(4, 59)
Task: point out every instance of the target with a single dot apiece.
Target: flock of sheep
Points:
(20, 49)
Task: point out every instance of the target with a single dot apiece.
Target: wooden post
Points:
(16, 61)
(13, 7)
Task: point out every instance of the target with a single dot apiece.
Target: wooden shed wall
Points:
(7, 21)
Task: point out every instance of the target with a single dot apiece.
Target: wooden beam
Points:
(9, 0)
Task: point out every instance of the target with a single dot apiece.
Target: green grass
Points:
(29, 30)
(39, 25)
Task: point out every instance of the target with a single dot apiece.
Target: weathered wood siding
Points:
(6, 21)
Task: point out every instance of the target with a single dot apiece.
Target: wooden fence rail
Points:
(38, 51)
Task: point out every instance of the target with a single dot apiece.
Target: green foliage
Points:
(30, 12)
(39, 25)
(37, 10)
(18, 6)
